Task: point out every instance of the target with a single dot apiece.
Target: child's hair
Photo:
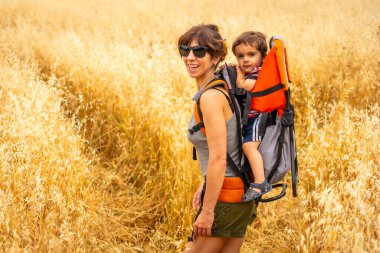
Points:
(206, 35)
(255, 39)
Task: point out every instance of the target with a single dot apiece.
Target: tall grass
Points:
(94, 108)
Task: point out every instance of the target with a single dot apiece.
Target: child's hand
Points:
(226, 65)
(239, 71)
(221, 67)
(240, 76)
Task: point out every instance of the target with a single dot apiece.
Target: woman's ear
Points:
(216, 60)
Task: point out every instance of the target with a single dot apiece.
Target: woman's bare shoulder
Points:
(212, 99)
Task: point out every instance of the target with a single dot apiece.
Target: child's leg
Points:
(260, 185)
(255, 160)
(251, 144)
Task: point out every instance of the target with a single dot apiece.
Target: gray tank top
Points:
(200, 143)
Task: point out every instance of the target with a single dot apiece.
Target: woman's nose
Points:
(191, 55)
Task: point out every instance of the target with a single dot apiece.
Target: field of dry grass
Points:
(94, 105)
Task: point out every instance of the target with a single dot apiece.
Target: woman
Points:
(219, 226)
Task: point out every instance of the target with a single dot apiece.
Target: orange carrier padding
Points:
(270, 75)
(208, 86)
(198, 119)
(232, 190)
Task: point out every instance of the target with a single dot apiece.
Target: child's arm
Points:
(242, 82)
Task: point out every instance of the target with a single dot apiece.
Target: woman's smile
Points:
(192, 67)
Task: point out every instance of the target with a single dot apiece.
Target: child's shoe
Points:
(251, 194)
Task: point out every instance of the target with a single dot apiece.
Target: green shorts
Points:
(232, 219)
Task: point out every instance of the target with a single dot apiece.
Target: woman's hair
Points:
(255, 39)
(206, 35)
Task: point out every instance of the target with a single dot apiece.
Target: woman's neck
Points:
(206, 78)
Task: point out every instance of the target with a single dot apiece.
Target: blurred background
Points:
(94, 107)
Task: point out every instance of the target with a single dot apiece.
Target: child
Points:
(250, 50)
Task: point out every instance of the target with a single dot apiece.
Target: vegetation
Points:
(94, 107)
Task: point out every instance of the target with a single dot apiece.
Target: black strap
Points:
(247, 106)
(287, 97)
(267, 91)
(194, 154)
(238, 91)
(240, 172)
(196, 128)
(240, 140)
(263, 123)
(251, 77)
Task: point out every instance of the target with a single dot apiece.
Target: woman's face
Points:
(198, 67)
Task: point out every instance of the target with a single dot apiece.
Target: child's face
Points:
(248, 57)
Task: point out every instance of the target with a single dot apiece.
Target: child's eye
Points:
(239, 56)
(252, 54)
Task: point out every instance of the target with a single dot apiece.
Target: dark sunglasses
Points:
(198, 51)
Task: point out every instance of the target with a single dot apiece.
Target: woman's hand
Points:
(197, 198)
(202, 226)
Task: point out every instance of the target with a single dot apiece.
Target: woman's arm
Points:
(197, 198)
(212, 104)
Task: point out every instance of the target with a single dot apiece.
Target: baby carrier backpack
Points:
(271, 97)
